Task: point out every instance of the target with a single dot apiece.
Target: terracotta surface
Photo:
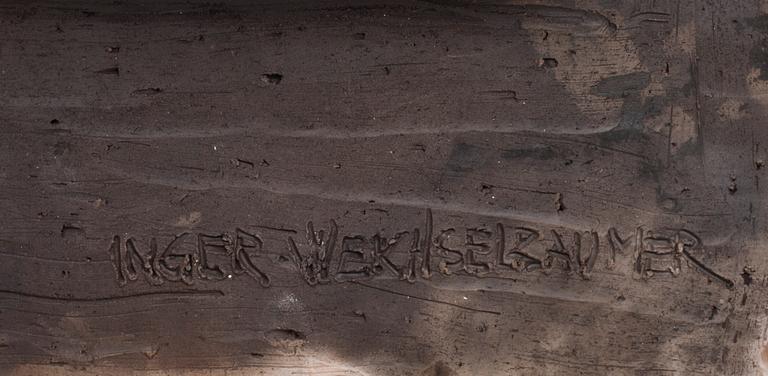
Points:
(383, 188)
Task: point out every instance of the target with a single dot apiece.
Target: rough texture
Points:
(383, 188)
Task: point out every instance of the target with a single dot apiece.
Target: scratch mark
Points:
(709, 272)
(677, 21)
(171, 294)
(279, 229)
(669, 134)
(426, 299)
(697, 94)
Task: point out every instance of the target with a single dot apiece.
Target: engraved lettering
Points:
(313, 265)
(560, 255)
(452, 258)
(515, 257)
(353, 252)
(209, 246)
(419, 255)
(176, 261)
(478, 247)
(381, 258)
(619, 245)
(406, 255)
(246, 245)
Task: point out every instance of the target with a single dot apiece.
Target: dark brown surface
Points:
(383, 188)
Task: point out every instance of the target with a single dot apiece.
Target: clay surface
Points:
(383, 188)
